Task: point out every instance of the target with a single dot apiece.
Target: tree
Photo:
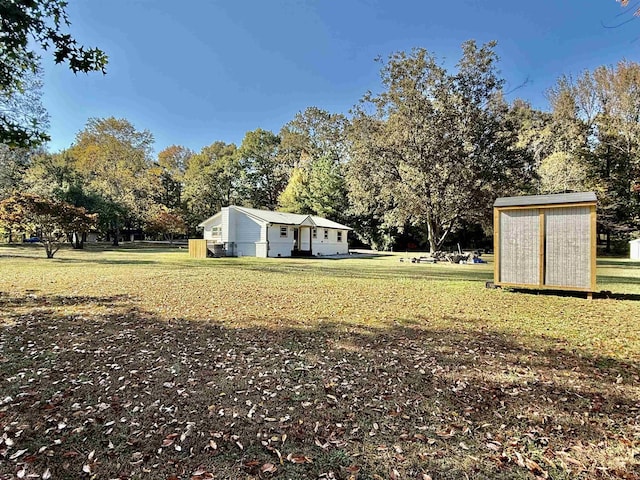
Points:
(294, 198)
(171, 166)
(596, 132)
(14, 163)
(313, 144)
(26, 24)
(211, 181)
(167, 223)
(23, 119)
(438, 147)
(50, 219)
(559, 173)
(264, 173)
(114, 158)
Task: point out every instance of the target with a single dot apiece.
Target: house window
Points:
(339, 236)
(216, 231)
(284, 232)
(326, 234)
(315, 233)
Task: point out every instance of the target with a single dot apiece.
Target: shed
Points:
(546, 241)
(634, 247)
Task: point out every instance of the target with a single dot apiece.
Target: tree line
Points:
(425, 156)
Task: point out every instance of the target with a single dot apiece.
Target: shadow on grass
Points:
(602, 295)
(619, 263)
(415, 399)
(8, 300)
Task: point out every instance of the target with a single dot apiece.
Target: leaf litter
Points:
(105, 386)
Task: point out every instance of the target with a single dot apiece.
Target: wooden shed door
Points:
(520, 247)
(568, 247)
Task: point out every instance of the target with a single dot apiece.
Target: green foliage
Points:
(115, 159)
(314, 144)
(438, 147)
(170, 169)
(211, 181)
(23, 119)
(593, 142)
(264, 174)
(13, 165)
(51, 220)
(25, 23)
(294, 197)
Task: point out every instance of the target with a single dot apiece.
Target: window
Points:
(216, 231)
(326, 234)
(284, 232)
(339, 236)
(315, 233)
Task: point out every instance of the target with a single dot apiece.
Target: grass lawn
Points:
(144, 363)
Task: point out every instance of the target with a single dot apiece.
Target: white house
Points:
(240, 231)
(635, 249)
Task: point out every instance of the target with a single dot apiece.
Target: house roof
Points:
(558, 198)
(284, 218)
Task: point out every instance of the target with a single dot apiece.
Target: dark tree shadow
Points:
(412, 398)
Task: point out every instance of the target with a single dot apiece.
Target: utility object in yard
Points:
(546, 242)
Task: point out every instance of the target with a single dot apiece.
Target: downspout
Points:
(267, 237)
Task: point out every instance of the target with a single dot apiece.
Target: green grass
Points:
(358, 368)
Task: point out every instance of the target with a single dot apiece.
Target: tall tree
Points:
(313, 143)
(596, 135)
(211, 181)
(264, 172)
(171, 166)
(115, 158)
(26, 25)
(438, 146)
(14, 163)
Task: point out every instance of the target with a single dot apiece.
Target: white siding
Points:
(247, 230)
(207, 232)
(568, 247)
(225, 224)
(520, 247)
(634, 249)
(330, 246)
(280, 246)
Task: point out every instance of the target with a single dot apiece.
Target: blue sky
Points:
(199, 71)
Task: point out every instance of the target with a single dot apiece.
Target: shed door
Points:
(520, 247)
(568, 247)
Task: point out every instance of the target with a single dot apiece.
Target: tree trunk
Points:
(78, 243)
(433, 242)
(116, 234)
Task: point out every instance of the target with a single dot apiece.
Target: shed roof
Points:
(557, 198)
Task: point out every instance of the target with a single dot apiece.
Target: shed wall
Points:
(568, 247)
(520, 247)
